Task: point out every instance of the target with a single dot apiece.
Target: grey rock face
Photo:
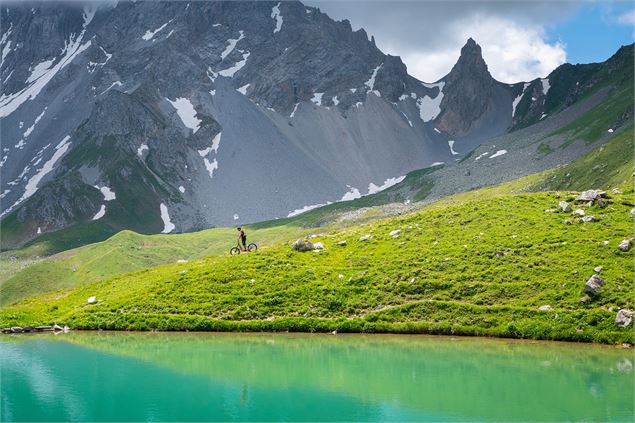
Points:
(202, 114)
(592, 286)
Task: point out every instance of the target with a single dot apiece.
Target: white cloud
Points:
(428, 35)
(513, 52)
(627, 18)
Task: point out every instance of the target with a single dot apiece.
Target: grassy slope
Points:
(442, 275)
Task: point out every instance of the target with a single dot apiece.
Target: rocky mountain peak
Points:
(468, 91)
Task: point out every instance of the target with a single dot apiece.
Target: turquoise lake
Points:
(101, 376)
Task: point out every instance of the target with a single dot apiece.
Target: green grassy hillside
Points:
(454, 269)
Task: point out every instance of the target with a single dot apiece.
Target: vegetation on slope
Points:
(454, 269)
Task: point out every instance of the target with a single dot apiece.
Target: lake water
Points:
(99, 376)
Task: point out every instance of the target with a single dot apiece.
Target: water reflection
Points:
(159, 376)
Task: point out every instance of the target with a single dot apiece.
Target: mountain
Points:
(173, 116)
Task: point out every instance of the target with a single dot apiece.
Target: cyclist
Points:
(242, 239)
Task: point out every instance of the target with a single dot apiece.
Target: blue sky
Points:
(593, 33)
(520, 39)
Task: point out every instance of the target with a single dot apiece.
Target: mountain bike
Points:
(237, 250)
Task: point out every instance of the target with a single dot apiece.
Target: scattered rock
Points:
(616, 191)
(626, 345)
(605, 242)
(365, 237)
(593, 285)
(57, 328)
(633, 210)
(499, 254)
(545, 307)
(568, 222)
(395, 233)
(585, 298)
(579, 212)
(597, 269)
(590, 195)
(16, 329)
(312, 236)
(91, 300)
(566, 207)
(318, 246)
(625, 245)
(342, 243)
(334, 332)
(181, 261)
(623, 318)
(302, 246)
(589, 219)
(340, 276)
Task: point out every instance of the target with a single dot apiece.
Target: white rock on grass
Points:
(365, 237)
(597, 269)
(395, 233)
(625, 245)
(318, 246)
(91, 300)
(545, 307)
(342, 243)
(623, 318)
(593, 285)
(579, 212)
(589, 219)
(564, 206)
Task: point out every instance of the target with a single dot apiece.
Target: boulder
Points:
(342, 243)
(623, 318)
(395, 233)
(579, 212)
(625, 245)
(564, 206)
(590, 195)
(365, 237)
(302, 246)
(318, 246)
(593, 285)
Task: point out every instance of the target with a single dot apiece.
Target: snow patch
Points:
(437, 131)
(335, 101)
(373, 189)
(168, 226)
(32, 185)
(295, 109)
(517, 99)
(481, 155)
(610, 131)
(306, 209)
(9, 103)
(436, 164)
(114, 84)
(236, 217)
(100, 213)
(141, 149)
(451, 145)
(409, 123)
(243, 89)
(371, 82)
(544, 115)
(186, 112)
(108, 194)
(210, 166)
(229, 72)
(39, 230)
(545, 85)
(498, 153)
(429, 108)
(149, 35)
(275, 14)
(32, 127)
(353, 90)
(317, 98)
(351, 195)
(231, 44)
(182, 189)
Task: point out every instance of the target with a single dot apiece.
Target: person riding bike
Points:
(242, 239)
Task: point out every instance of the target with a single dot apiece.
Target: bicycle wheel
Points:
(252, 247)
(234, 250)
